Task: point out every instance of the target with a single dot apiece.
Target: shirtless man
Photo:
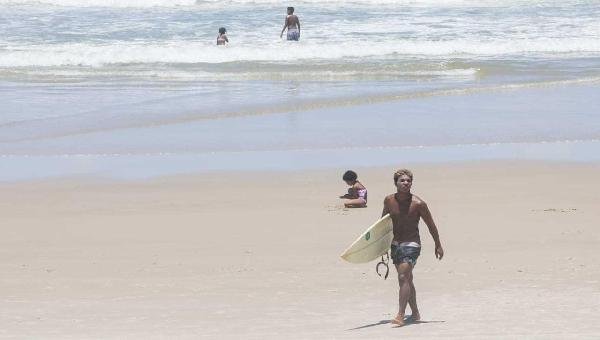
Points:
(406, 210)
(292, 24)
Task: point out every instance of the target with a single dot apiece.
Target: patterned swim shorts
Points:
(402, 253)
(293, 35)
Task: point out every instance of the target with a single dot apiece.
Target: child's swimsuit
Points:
(221, 39)
(362, 193)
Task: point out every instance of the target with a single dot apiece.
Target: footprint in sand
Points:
(562, 210)
(337, 209)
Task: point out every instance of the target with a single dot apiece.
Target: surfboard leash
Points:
(385, 259)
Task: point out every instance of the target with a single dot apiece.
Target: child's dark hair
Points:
(291, 9)
(222, 30)
(350, 176)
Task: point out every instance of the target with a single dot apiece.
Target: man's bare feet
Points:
(415, 317)
(398, 321)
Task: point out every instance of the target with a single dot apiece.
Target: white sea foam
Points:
(224, 3)
(102, 3)
(183, 52)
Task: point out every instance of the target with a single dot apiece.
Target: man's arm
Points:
(386, 209)
(426, 215)
(298, 22)
(285, 24)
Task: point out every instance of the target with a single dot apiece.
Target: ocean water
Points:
(112, 80)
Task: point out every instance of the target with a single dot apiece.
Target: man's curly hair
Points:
(402, 172)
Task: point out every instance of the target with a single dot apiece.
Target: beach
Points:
(155, 185)
(256, 255)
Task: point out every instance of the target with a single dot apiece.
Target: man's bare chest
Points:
(404, 212)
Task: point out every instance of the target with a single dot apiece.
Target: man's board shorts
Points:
(405, 252)
(293, 34)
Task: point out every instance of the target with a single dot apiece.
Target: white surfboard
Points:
(373, 243)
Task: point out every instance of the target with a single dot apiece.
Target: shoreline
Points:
(139, 167)
(554, 123)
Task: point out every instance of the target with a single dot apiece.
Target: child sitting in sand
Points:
(357, 193)
(222, 37)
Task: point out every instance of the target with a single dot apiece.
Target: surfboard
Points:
(372, 243)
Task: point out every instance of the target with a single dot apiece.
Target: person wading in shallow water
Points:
(222, 37)
(406, 210)
(292, 24)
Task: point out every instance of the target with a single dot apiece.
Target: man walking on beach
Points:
(406, 210)
(292, 24)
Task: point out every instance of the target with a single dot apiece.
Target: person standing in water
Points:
(222, 37)
(406, 210)
(292, 24)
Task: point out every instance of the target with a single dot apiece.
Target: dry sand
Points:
(256, 256)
